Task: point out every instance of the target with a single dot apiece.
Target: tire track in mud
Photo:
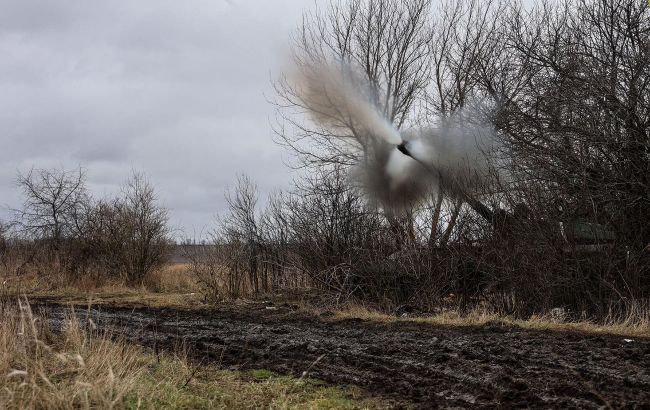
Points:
(430, 366)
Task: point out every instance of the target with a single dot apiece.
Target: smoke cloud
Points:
(460, 152)
(453, 157)
(337, 99)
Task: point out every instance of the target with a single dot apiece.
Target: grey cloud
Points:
(175, 89)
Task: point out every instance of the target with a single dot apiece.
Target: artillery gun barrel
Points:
(475, 204)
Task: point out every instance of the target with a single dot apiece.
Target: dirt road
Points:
(422, 364)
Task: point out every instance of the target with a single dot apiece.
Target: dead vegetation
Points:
(636, 324)
(72, 370)
(80, 366)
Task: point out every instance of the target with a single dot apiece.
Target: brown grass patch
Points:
(173, 278)
(635, 324)
(73, 369)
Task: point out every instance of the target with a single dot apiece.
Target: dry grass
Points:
(121, 296)
(71, 370)
(172, 286)
(81, 368)
(635, 324)
(173, 278)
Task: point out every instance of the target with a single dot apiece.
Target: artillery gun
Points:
(581, 233)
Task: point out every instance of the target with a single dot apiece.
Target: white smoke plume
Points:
(453, 157)
(335, 99)
(460, 152)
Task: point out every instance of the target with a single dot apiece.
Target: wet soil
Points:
(428, 366)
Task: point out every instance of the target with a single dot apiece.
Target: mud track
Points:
(429, 366)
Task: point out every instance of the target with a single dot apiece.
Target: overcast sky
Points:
(178, 90)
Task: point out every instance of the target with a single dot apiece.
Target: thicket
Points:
(566, 86)
(62, 232)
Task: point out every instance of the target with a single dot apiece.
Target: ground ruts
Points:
(429, 366)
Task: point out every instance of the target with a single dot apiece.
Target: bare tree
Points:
(578, 125)
(386, 43)
(275, 232)
(216, 266)
(145, 227)
(335, 236)
(52, 201)
(241, 228)
(465, 41)
(126, 237)
(248, 250)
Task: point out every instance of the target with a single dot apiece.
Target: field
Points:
(293, 351)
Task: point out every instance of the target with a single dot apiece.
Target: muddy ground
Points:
(428, 366)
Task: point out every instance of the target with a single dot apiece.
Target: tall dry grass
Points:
(75, 369)
(83, 368)
(172, 278)
(634, 322)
